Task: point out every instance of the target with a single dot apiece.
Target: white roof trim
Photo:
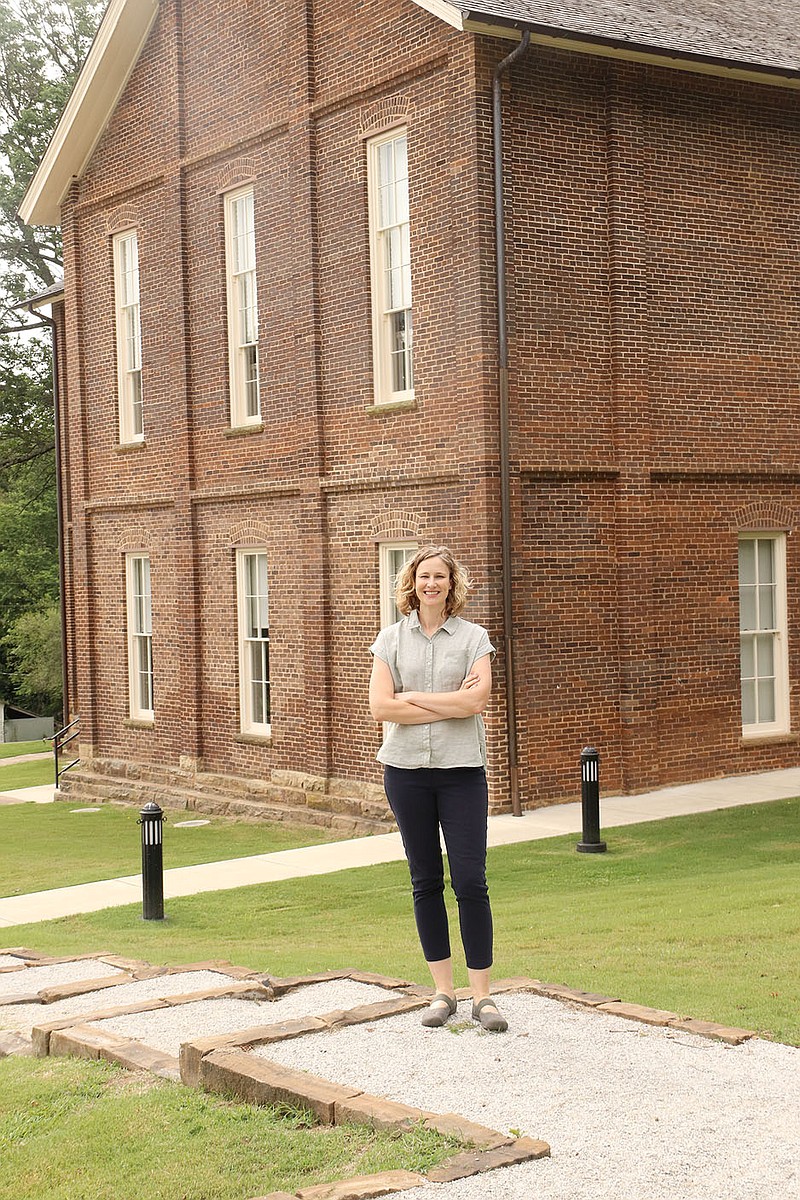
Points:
(443, 10)
(113, 55)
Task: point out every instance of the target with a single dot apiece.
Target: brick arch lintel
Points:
(396, 526)
(247, 533)
(127, 216)
(235, 174)
(764, 515)
(384, 114)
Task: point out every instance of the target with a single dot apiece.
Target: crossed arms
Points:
(421, 708)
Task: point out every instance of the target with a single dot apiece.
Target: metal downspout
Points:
(505, 480)
(59, 510)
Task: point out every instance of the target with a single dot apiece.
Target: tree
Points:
(34, 645)
(28, 530)
(42, 46)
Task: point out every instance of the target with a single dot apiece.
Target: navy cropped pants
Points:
(423, 801)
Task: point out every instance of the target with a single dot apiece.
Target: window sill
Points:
(769, 739)
(391, 406)
(243, 430)
(254, 739)
(130, 447)
(139, 723)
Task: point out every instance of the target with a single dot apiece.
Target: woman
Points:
(431, 678)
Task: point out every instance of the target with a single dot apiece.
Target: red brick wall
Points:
(653, 330)
(654, 337)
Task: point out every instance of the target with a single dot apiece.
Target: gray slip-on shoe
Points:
(485, 1012)
(439, 1011)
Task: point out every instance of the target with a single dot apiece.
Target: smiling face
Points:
(432, 585)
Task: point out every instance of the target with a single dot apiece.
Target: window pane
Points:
(748, 659)
(747, 608)
(145, 657)
(400, 146)
(747, 561)
(766, 570)
(766, 607)
(765, 656)
(135, 381)
(766, 701)
(748, 702)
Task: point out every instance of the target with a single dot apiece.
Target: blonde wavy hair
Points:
(405, 594)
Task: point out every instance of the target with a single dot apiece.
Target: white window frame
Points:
(140, 636)
(390, 267)
(776, 631)
(388, 568)
(242, 301)
(253, 708)
(129, 336)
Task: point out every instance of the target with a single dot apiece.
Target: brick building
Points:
(255, 199)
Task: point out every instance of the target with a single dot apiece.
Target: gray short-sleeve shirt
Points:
(436, 664)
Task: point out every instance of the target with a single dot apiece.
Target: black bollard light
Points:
(150, 819)
(590, 802)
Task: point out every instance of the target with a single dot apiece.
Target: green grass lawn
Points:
(694, 914)
(73, 847)
(27, 774)
(14, 749)
(76, 1130)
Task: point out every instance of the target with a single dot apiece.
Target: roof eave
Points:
(474, 21)
(50, 295)
(113, 55)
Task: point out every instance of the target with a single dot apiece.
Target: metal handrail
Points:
(60, 741)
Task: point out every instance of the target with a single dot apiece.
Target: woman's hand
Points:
(419, 708)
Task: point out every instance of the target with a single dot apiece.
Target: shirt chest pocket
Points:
(449, 673)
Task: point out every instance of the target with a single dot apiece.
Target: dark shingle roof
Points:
(733, 31)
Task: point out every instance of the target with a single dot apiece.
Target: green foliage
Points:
(34, 642)
(28, 527)
(42, 46)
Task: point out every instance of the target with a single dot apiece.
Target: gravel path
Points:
(33, 979)
(165, 1029)
(23, 1016)
(631, 1112)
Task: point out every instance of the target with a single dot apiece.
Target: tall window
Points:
(129, 336)
(240, 251)
(763, 634)
(254, 680)
(390, 247)
(140, 637)
(393, 556)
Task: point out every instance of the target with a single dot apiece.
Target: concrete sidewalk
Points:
(44, 793)
(382, 848)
